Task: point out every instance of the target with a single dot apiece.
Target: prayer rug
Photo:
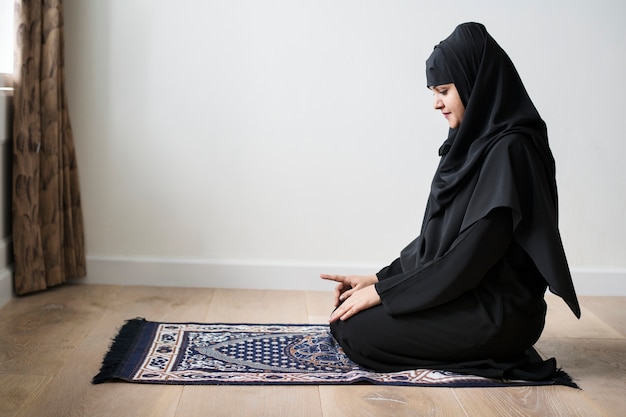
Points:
(256, 354)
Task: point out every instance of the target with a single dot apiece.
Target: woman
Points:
(467, 294)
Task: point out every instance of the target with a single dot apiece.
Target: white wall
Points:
(258, 143)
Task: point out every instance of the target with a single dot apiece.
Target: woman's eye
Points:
(443, 92)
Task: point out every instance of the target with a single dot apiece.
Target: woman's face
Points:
(446, 98)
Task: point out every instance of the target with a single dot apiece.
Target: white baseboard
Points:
(597, 281)
(288, 275)
(6, 285)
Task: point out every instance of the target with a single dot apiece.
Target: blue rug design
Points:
(256, 354)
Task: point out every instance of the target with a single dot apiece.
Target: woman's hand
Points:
(360, 300)
(348, 284)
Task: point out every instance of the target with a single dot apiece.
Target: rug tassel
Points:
(121, 345)
(562, 378)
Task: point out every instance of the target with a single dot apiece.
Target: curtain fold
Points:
(48, 236)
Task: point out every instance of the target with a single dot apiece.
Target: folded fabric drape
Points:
(48, 236)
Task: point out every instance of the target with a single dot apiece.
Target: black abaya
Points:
(483, 323)
(467, 294)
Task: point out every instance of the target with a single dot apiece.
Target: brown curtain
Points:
(47, 216)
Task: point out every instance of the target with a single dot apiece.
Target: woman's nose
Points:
(437, 103)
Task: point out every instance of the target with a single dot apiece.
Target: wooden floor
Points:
(52, 343)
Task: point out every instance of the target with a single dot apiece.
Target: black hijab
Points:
(496, 106)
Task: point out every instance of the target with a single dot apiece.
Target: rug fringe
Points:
(120, 347)
(562, 378)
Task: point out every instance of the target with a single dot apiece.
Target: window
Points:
(6, 44)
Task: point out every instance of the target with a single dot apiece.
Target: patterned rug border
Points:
(180, 353)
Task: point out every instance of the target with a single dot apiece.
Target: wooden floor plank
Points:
(52, 343)
(70, 392)
(38, 332)
(561, 322)
(244, 401)
(16, 391)
(382, 401)
(319, 305)
(526, 402)
(598, 366)
(609, 309)
(257, 306)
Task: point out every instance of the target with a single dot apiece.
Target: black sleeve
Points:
(461, 269)
(395, 268)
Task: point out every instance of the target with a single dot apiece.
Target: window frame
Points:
(6, 83)
(7, 79)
